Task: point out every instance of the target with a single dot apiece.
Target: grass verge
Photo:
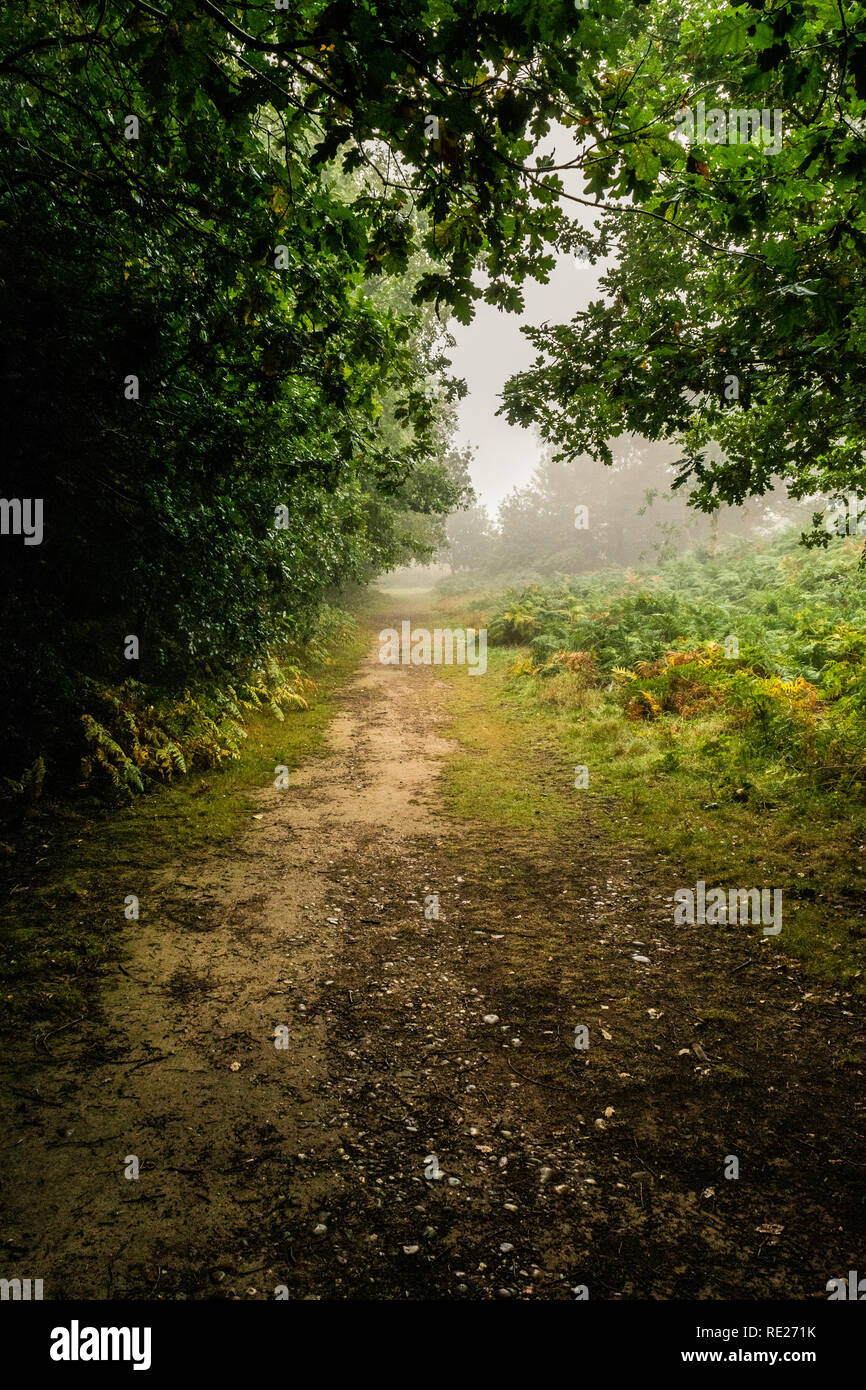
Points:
(655, 787)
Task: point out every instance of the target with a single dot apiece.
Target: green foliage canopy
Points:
(739, 258)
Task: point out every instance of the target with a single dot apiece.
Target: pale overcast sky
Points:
(492, 348)
(488, 352)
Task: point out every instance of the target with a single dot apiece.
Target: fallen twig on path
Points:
(40, 1037)
(548, 1085)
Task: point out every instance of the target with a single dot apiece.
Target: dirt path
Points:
(310, 1166)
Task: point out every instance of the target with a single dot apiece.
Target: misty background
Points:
(535, 516)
